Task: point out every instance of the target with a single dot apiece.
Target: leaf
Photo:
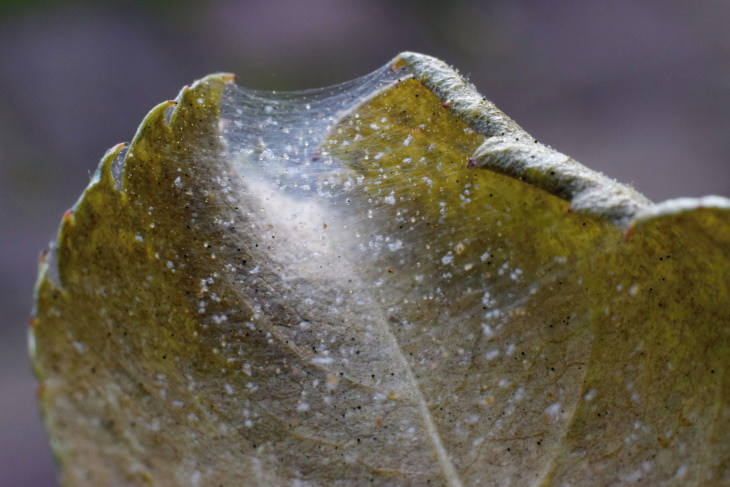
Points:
(386, 282)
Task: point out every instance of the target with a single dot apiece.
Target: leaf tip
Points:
(112, 165)
(68, 217)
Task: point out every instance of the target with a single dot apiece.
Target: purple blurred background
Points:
(637, 90)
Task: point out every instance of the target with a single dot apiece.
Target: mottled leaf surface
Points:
(386, 282)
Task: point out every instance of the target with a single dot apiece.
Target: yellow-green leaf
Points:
(387, 282)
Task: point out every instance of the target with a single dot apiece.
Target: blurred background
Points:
(637, 90)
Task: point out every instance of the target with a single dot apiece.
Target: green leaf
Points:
(386, 282)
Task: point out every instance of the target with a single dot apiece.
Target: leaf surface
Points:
(387, 282)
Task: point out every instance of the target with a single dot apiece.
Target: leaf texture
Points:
(387, 282)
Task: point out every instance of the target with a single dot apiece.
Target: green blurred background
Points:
(638, 90)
